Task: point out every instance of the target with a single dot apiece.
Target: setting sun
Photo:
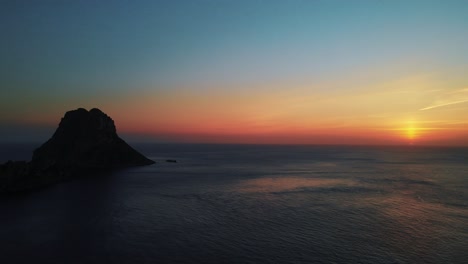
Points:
(411, 132)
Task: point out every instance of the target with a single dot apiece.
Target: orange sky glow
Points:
(414, 110)
(422, 109)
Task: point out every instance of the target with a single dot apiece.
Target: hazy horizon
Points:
(239, 72)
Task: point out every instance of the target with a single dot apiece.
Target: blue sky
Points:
(102, 43)
(76, 50)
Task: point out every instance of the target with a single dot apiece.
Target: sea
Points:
(249, 204)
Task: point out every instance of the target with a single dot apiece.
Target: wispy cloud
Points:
(449, 98)
(443, 104)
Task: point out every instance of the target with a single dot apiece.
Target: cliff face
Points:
(83, 142)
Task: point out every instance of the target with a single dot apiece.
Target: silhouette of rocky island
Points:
(84, 142)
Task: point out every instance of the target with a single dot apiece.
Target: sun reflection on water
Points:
(287, 183)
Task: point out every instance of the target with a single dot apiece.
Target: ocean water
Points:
(249, 204)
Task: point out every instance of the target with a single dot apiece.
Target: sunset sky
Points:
(231, 71)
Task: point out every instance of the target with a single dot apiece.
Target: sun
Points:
(411, 132)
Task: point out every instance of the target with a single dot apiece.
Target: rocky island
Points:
(84, 142)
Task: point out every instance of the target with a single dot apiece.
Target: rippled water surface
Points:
(250, 204)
